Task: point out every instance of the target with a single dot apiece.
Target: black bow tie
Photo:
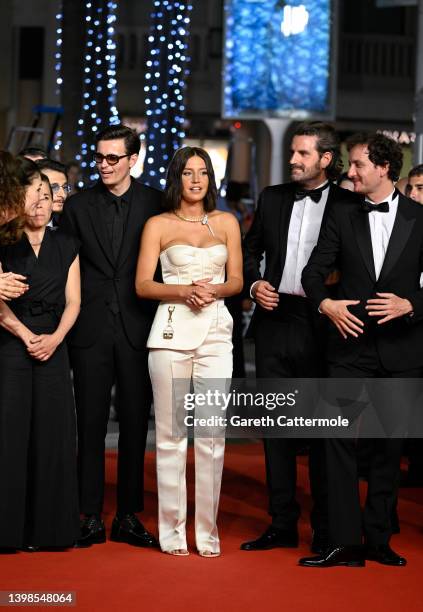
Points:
(369, 207)
(314, 194)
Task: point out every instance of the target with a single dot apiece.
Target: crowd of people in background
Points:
(81, 276)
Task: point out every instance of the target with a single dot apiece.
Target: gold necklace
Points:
(202, 219)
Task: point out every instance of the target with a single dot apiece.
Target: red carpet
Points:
(117, 577)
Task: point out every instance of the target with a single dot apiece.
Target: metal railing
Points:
(388, 61)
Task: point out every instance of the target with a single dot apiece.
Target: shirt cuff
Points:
(251, 289)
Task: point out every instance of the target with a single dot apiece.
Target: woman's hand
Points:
(43, 346)
(201, 293)
(27, 336)
(12, 286)
(205, 283)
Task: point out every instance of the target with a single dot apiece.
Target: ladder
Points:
(29, 132)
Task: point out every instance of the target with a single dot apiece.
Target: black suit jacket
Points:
(345, 238)
(268, 235)
(82, 217)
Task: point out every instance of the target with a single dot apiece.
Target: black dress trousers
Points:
(290, 344)
(347, 524)
(111, 359)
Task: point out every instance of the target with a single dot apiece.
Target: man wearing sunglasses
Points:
(108, 342)
(56, 174)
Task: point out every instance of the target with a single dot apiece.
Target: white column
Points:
(277, 129)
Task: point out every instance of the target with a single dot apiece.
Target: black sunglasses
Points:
(110, 158)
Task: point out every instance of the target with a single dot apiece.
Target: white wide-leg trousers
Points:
(213, 359)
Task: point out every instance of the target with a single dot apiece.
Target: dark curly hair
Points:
(16, 173)
(12, 194)
(12, 199)
(327, 142)
(382, 151)
(173, 189)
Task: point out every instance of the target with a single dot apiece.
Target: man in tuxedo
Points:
(414, 474)
(108, 341)
(286, 328)
(377, 332)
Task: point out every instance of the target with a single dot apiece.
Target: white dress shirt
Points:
(303, 232)
(381, 225)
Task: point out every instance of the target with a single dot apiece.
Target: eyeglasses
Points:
(110, 158)
(55, 187)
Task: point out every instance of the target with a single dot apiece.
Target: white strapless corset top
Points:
(181, 265)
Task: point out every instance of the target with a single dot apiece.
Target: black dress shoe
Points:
(7, 550)
(93, 531)
(129, 529)
(385, 555)
(31, 549)
(319, 542)
(351, 556)
(273, 538)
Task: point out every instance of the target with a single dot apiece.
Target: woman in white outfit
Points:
(191, 337)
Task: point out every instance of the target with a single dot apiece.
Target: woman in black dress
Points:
(38, 489)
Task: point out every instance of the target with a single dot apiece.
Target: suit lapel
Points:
(361, 227)
(334, 196)
(95, 211)
(285, 210)
(399, 237)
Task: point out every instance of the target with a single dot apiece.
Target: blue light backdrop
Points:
(277, 58)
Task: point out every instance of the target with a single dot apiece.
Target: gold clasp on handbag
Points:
(168, 330)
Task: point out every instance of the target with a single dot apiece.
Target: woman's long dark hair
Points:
(16, 173)
(173, 189)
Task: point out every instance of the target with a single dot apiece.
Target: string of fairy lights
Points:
(58, 53)
(58, 67)
(167, 70)
(165, 83)
(99, 81)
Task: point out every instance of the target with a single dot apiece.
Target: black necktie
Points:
(369, 207)
(117, 231)
(314, 194)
